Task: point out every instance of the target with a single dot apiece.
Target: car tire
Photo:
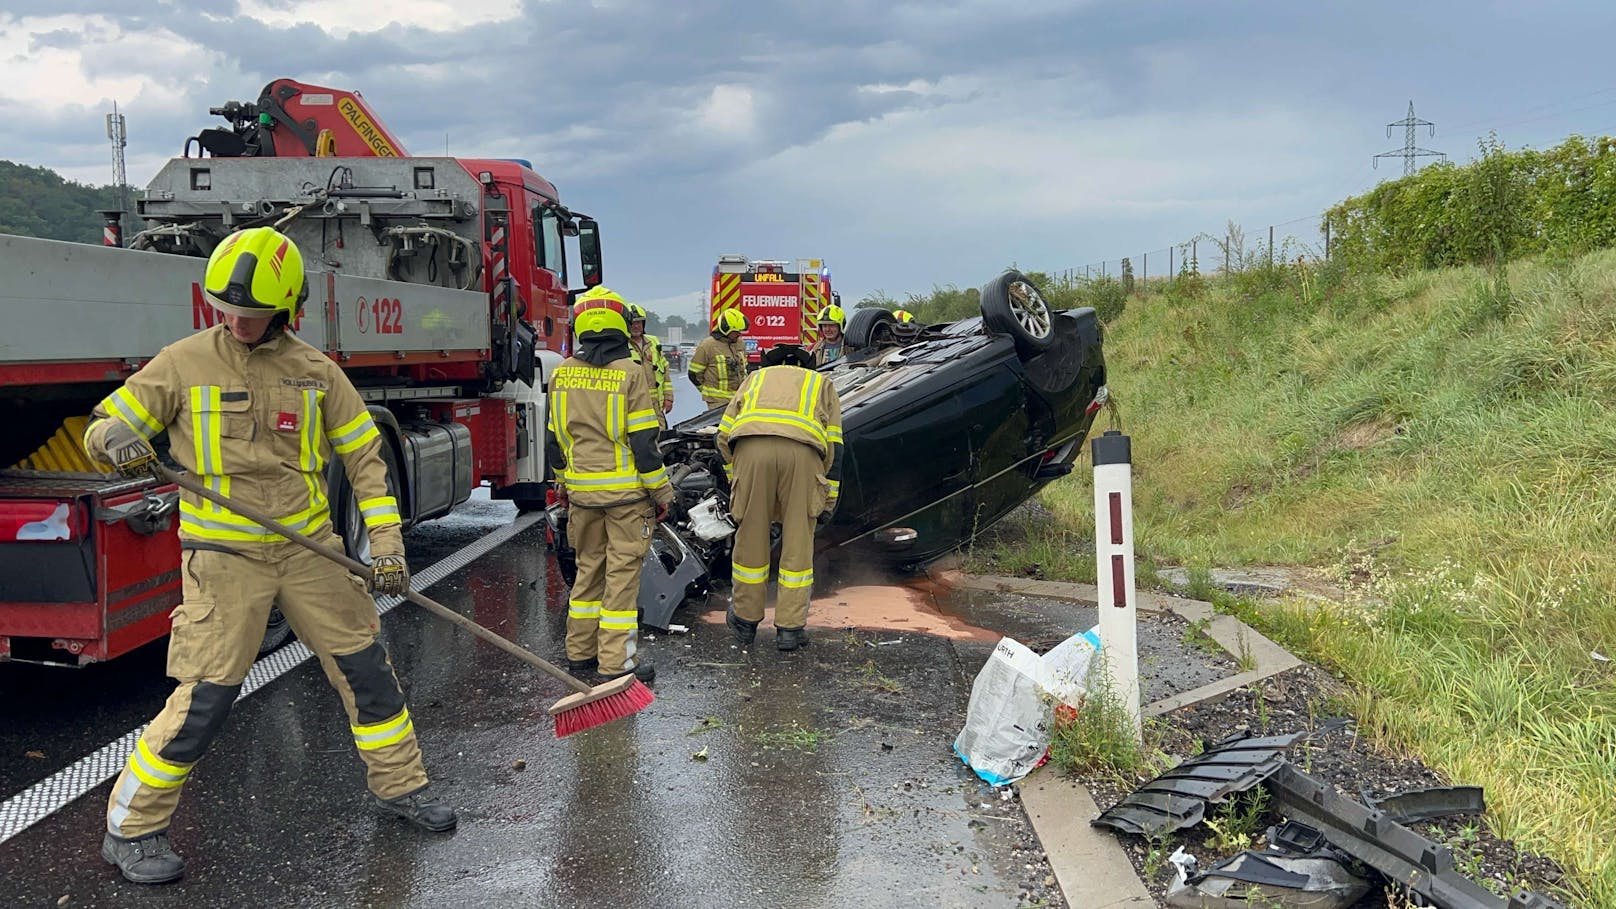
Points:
(276, 632)
(1012, 305)
(861, 328)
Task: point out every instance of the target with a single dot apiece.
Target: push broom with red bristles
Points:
(586, 708)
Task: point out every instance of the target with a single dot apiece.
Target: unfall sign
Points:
(773, 312)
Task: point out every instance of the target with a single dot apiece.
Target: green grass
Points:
(1445, 444)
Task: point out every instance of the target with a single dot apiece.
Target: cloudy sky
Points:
(907, 143)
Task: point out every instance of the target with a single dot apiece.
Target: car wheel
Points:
(1012, 305)
(862, 327)
(276, 632)
(525, 504)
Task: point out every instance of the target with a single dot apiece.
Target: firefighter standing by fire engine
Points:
(255, 413)
(648, 349)
(782, 433)
(602, 435)
(719, 364)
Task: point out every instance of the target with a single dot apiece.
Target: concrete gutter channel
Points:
(1090, 865)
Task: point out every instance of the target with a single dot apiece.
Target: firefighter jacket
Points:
(258, 425)
(649, 352)
(717, 368)
(792, 403)
(602, 433)
(825, 352)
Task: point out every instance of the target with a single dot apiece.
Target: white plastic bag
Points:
(1007, 723)
(1067, 666)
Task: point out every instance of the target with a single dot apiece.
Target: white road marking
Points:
(53, 793)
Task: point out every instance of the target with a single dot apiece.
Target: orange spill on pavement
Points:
(887, 607)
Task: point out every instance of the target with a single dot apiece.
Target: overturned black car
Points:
(947, 429)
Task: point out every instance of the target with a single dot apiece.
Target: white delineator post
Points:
(1113, 543)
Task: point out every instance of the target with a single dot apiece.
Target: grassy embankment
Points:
(1445, 440)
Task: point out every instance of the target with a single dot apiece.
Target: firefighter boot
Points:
(580, 667)
(421, 810)
(146, 860)
(644, 670)
(790, 638)
(745, 632)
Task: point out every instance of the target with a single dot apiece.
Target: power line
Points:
(1409, 151)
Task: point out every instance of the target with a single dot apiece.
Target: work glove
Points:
(389, 575)
(662, 512)
(128, 450)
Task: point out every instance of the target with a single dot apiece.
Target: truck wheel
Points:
(862, 328)
(276, 633)
(1012, 305)
(355, 535)
(525, 504)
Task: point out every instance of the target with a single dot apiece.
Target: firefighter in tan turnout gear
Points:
(719, 363)
(783, 435)
(255, 414)
(648, 349)
(602, 435)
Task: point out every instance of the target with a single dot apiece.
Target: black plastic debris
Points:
(1177, 799)
(1274, 880)
(1426, 804)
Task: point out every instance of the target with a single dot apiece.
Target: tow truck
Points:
(438, 284)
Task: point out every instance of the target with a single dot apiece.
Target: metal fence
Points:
(1230, 250)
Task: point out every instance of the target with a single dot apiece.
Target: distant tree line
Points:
(37, 202)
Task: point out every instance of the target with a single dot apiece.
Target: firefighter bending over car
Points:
(648, 350)
(255, 413)
(782, 433)
(719, 364)
(828, 349)
(602, 437)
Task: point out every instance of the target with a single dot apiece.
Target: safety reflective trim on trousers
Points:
(153, 770)
(780, 418)
(124, 403)
(619, 619)
(371, 738)
(382, 511)
(353, 434)
(796, 578)
(745, 575)
(583, 609)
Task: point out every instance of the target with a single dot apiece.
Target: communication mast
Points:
(120, 138)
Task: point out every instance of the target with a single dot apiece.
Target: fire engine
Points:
(780, 298)
(439, 285)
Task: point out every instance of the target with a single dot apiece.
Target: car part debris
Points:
(1420, 865)
(1425, 804)
(1272, 879)
(669, 569)
(1178, 798)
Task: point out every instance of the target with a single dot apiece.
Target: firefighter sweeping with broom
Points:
(254, 412)
(602, 434)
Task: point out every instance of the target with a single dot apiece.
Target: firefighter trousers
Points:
(603, 611)
(217, 630)
(776, 480)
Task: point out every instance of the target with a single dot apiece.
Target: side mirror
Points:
(589, 251)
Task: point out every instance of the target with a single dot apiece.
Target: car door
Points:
(998, 430)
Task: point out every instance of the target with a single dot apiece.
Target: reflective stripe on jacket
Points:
(602, 426)
(790, 402)
(717, 368)
(258, 425)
